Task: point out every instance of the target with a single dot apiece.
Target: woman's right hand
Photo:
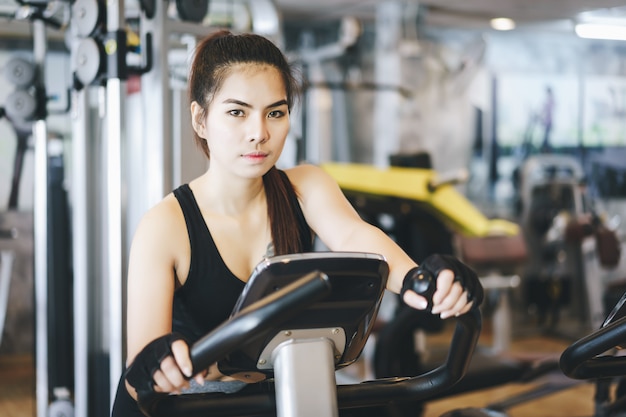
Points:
(163, 365)
(175, 371)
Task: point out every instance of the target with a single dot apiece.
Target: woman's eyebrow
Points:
(244, 104)
(235, 101)
(278, 103)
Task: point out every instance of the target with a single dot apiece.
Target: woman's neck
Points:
(232, 196)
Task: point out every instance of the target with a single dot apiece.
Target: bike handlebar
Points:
(584, 360)
(266, 313)
(277, 308)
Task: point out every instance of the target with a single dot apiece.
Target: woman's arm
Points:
(339, 226)
(150, 290)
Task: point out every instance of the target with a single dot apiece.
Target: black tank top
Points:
(211, 289)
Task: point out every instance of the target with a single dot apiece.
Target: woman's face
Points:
(247, 121)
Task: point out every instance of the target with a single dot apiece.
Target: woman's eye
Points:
(236, 112)
(276, 113)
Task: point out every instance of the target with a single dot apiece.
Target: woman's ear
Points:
(197, 118)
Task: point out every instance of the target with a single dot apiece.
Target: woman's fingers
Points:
(450, 299)
(180, 350)
(175, 370)
(173, 380)
(445, 279)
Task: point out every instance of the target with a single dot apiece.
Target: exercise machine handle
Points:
(266, 313)
(366, 394)
(420, 387)
(584, 360)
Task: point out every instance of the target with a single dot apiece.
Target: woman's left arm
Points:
(340, 227)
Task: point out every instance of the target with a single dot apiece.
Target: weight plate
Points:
(20, 72)
(88, 61)
(86, 15)
(149, 7)
(192, 10)
(20, 105)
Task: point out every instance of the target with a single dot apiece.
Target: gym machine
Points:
(27, 110)
(299, 318)
(424, 212)
(598, 357)
(130, 146)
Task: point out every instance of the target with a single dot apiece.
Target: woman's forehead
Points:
(264, 77)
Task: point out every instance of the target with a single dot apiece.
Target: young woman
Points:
(193, 252)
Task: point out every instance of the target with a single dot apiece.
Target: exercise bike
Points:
(598, 357)
(299, 319)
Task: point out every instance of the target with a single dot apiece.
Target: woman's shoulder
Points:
(164, 217)
(312, 182)
(306, 173)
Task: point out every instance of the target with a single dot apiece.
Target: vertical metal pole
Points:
(315, 359)
(114, 228)
(115, 90)
(40, 221)
(157, 108)
(388, 71)
(80, 245)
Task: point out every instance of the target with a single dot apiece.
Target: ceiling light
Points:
(601, 31)
(502, 23)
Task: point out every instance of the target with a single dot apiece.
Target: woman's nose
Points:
(259, 131)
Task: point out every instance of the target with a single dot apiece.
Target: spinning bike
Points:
(597, 357)
(300, 318)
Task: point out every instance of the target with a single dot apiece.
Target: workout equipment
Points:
(597, 357)
(418, 188)
(26, 108)
(562, 270)
(130, 131)
(428, 214)
(6, 267)
(297, 334)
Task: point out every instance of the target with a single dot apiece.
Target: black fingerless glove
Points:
(140, 373)
(422, 279)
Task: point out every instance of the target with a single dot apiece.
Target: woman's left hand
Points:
(448, 286)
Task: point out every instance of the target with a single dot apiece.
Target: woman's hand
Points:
(451, 285)
(164, 365)
(175, 370)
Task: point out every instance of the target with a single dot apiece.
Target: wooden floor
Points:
(17, 388)
(574, 401)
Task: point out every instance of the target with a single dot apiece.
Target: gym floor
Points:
(575, 401)
(17, 385)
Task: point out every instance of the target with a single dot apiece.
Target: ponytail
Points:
(290, 234)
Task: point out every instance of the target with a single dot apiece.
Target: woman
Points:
(193, 252)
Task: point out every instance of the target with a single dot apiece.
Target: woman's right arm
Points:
(150, 291)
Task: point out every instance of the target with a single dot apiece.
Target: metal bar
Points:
(6, 267)
(315, 359)
(40, 222)
(115, 90)
(41, 264)
(80, 258)
(156, 104)
(114, 229)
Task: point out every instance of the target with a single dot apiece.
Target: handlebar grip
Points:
(423, 282)
(245, 326)
(583, 360)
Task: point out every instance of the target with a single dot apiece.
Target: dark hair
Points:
(214, 58)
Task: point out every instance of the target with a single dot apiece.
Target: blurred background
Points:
(516, 110)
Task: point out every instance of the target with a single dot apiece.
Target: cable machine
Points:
(131, 145)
